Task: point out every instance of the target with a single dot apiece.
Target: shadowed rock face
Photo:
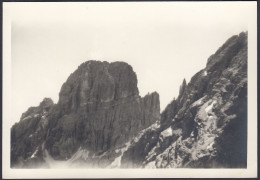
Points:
(99, 109)
(28, 134)
(207, 123)
(97, 83)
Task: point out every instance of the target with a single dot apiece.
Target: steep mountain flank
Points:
(28, 134)
(206, 126)
(99, 109)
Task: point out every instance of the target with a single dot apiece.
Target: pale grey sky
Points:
(164, 42)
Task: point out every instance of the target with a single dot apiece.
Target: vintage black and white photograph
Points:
(132, 86)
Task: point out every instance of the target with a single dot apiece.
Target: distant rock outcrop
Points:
(28, 134)
(99, 109)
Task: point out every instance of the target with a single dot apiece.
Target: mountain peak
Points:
(99, 109)
(96, 81)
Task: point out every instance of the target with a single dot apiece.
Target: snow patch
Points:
(223, 89)
(209, 108)
(81, 153)
(205, 109)
(210, 146)
(177, 132)
(203, 146)
(33, 155)
(167, 132)
(117, 162)
(207, 123)
(198, 102)
(205, 73)
(152, 153)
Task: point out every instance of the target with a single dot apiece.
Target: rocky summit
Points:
(99, 109)
(101, 121)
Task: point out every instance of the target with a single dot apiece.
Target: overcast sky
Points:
(164, 42)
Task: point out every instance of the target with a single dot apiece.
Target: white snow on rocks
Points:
(198, 102)
(203, 146)
(81, 153)
(205, 109)
(210, 146)
(177, 132)
(117, 162)
(152, 153)
(33, 155)
(206, 120)
(167, 132)
(209, 108)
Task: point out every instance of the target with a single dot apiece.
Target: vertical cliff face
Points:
(97, 83)
(99, 109)
(206, 126)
